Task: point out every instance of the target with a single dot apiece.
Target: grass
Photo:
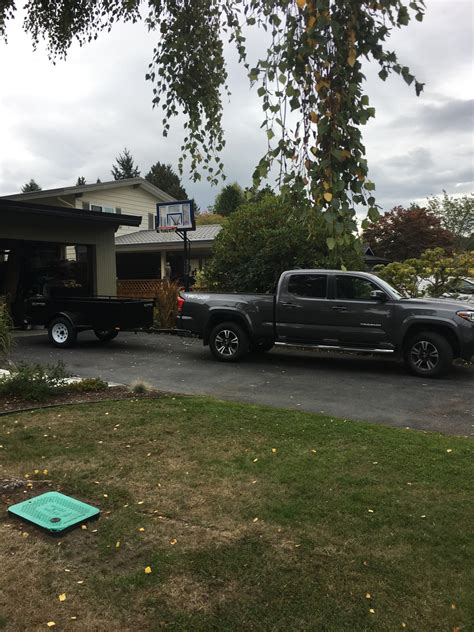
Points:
(253, 518)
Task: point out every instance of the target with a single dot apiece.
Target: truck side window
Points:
(352, 288)
(308, 285)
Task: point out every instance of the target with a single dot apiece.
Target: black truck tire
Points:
(428, 354)
(61, 332)
(105, 335)
(228, 342)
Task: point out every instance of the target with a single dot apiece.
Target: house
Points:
(132, 196)
(146, 253)
(35, 240)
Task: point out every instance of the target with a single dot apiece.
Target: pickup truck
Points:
(333, 310)
(65, 317)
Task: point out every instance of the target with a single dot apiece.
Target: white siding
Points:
(131, 201)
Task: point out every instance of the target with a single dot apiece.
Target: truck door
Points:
(302, 308)
(358, 318)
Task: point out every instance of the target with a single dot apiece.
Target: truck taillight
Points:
(180, 304)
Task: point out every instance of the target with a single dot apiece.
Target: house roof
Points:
(85, 188)
(46, 210)
(206, 233)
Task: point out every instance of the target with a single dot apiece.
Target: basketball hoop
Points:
(177, 217)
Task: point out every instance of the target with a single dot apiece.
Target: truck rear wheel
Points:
(104, 335)
(428, 354)
(228, 342)
(61, 332)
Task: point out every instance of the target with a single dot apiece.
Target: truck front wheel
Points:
(428, 354)
(228, 342)
(61, 332)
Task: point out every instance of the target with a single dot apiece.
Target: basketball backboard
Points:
(175, 216)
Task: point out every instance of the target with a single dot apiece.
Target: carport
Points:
(53, 250)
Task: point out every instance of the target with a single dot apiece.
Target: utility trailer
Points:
(65, 317)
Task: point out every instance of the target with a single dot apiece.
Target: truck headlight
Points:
(466, 315)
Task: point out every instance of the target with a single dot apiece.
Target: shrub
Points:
(89, 385)
(264, 238)
(166, 304)
(34, 382)
(5, 327)
(139, 387)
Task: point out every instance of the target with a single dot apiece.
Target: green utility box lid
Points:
(54, 512)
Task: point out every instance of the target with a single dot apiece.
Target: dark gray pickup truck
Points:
(333, 310)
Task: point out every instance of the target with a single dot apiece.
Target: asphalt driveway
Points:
(349, 387)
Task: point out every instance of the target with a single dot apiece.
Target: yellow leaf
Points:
(274, 450)
(346, 153)
(351, 58)
(327, 196)
(372, 611)
(148, 570)
(51, 624)
(62, 597)
(311, 21)
(173, 541)
(117, 544)
(45, 472)
(255, 460)
(371, 511)
(326, 186)
(313, 451)
(141, 529)
(301, 4)
(367, 595)
(255, 520)
(448, 450)
(314, 117)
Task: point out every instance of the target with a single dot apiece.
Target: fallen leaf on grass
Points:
(255, 460)
(141, 529)
(147, 570)
(370, 510)
(372, 611)
(117, 544)
(313, 451)
(449, 450)
(367, 595)
(274, 450)
(173, 541)
(62, 597)
(255, 520)
(51, 624)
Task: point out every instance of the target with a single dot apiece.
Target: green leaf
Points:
(383, 74)
(331, 242)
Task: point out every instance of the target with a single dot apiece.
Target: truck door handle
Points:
(289, 305)
(339, 308)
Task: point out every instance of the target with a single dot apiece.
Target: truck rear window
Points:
(308, 285)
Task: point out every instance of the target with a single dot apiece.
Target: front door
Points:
(357, 318)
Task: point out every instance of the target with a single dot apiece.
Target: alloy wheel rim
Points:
(424, 356)
(227, 342)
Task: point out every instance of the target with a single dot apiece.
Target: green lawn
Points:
(249, 518)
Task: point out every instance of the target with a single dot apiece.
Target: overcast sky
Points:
(58, 122)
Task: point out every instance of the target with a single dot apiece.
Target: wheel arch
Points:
(67, 315)
(224, 316)
(440, 328)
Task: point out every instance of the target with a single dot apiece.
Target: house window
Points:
(100, 208)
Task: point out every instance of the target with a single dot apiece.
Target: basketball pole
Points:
(184, 236)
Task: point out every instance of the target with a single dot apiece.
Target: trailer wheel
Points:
(104, 335)
(61, 332)
(228, 342)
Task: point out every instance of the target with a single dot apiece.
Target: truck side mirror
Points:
(378, 295)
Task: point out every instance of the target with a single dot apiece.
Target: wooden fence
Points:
(138, 288)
